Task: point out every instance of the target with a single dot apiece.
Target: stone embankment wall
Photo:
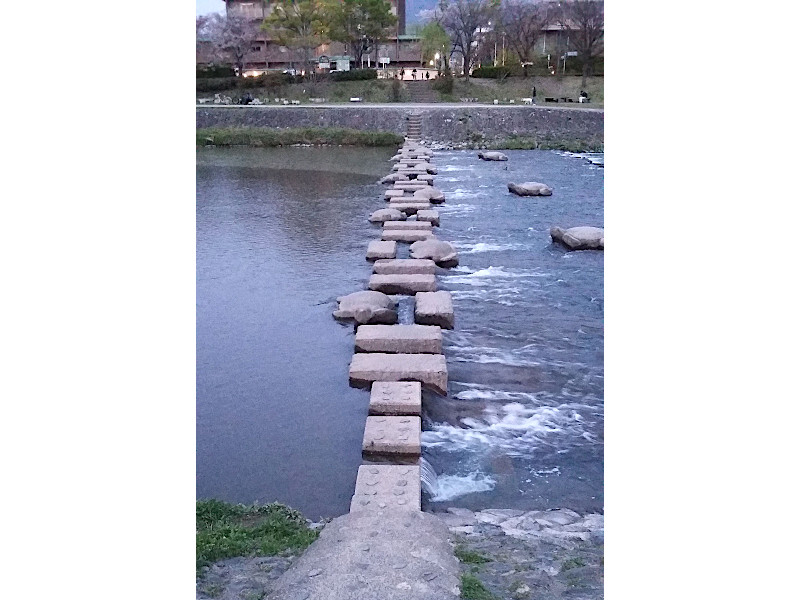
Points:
(446, 124)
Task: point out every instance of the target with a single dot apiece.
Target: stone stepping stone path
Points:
(393, 194)
(408, 235)
(381, 249)
(404, 266)
(399, 339)
(410, 208)
(381, 488)
(402, 284)
(423, 225)
(396, 398)
(394, 437)
(434, 308)
(432, 216)
(428, 369)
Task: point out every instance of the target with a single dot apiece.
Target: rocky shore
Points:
(516, 555)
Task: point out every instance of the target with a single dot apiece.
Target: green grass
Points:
(473, 589)
(572, 563)
(516, 88)
(467, 556)
(226, 530)
(316, 136)
(529, 143)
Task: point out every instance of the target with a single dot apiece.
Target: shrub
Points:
(216, 84)
(354, 75)
(213, 71)
(443, 84)
(395, 90)
(491, 72)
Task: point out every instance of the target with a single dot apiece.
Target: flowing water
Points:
(282, 232)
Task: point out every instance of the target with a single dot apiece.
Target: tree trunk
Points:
(584, 74)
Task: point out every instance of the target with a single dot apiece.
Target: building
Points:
(399, 51)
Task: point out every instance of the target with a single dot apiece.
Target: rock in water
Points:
(530, 188)
(442, 253)
(432, 194)
(579, 238)
(386, 214)
(367, 307)
(492, 156)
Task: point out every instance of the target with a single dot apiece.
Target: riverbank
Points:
(309, 136)
(445, 126)
(503, 554)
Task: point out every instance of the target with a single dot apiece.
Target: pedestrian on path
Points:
(414, 74)
(427, 74)
(533, 95)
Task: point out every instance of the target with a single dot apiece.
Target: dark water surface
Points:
(282, 232)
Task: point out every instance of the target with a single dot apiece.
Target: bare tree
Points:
(522, 21)
(465, 21)
(584, 20)
(233, 38)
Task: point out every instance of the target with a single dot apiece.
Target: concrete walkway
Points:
(366, 556)
(410, 106)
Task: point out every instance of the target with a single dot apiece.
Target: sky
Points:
(208, 6)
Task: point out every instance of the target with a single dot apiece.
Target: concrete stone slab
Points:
(399, 339)
(434, 308)
(385, 554)
(411, 208)
(423, 225)
(381, 249)
(392, 436)
(409, 236)
(429, 369)
(425, 177)
(402, 284)
(396, 398)
(397, 487)
(393, 194)
(404, 266)
(410, 186)
(407, 200)
(432, 216)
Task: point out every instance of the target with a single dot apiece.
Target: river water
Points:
(282, 232)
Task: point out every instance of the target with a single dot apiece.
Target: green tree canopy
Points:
(359, 24)
(298, 24)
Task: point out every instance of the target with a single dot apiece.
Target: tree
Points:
(584, 20)
(233, 38)
(465, 21)
(298, 24)
(522, 22)
(433, 40)
(359, 24)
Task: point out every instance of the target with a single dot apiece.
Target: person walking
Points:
(427, 74)
(533, 95)
(414, 74)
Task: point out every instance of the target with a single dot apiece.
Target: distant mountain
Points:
(412, 10)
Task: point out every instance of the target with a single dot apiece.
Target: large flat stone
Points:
(410, 186)
(387, 488)
(396, 398)
(381, 249)
(410, 236)
(385, 554)
(402, 284)
(431, 216)
(393, 194)
(399, 339)
(404, 266)
(421, 225)
(429, 369)
(392, 436)
(426, 178)
(410, 208)
(434, 308)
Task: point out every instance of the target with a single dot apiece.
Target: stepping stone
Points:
(381, 249)
(392, 436)
(426, 177)
(429, 369)
(396, 486)
(410, 208)
(410, 236)
(396, 398)
(410, 186)
(423, 225)
(404, 266)
(402, 284)
(399, 339)
(434, 308)
(393, 194)
(432, 216)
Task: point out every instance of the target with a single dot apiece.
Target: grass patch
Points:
(315, 136)
(226, 530)
(473, 589)
(529, 143)
(572, 563)
(467, 556)
(376, 90)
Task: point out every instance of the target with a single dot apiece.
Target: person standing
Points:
(533, 95)
(414, 74)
